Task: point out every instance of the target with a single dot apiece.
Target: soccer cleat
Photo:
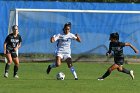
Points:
(100, 78)
(6, 75)
(76, 78)
(48, 69)
(16, 76)
(132, 74)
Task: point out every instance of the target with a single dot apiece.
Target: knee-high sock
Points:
(7, 66)
(73, 72)
(125, 71)
(106, 74)
(53, 65)
(15, 70)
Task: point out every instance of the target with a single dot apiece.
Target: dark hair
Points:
(67, 24)
(114, 35)
(13, 27)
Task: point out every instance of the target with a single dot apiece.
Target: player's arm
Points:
(134, 48)
(19, 44)
(78, 38)
(17, 47)
(109, 51)
(54, 38)
(5, 47)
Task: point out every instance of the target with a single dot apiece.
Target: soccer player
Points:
(63, 50)
(117, 47)
(11, 45)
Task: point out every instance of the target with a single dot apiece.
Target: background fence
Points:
(36, 28)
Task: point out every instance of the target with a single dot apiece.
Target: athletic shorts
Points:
(12, 52)
(63, 56)
(119, 60)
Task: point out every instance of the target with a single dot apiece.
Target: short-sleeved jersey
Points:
(64, 43)
(12, 41)
(117, 48)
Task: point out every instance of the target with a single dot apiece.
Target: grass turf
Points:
(33, 79)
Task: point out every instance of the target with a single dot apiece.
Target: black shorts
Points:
(12, 52)
(119, 60)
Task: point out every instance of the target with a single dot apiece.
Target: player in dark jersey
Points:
(117, 47)
(11, 45)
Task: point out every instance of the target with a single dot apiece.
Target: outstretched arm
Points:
(135, 49)
(78, 38)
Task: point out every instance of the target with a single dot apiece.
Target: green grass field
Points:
(33, 79)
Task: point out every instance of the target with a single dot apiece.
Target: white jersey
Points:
(64, 42)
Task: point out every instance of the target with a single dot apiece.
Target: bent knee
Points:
(120, 70)
(69, 65)
(9, 61)
(110, 70)
(58, 64)
(17, 64)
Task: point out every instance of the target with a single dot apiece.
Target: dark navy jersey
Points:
(12, 41)
(117, 48)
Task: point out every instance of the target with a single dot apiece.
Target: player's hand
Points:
(76, 35)
(136, 51)
(16, 49)
(4, 51)
(108, 54)
(78, 38)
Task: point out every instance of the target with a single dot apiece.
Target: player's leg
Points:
(124, 70)
(57, 63)
(7, 66)
(16, 67)
(108, 72)
(69, 63)
(121, 69)
(16, 64)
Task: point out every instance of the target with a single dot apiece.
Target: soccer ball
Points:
(60, 76)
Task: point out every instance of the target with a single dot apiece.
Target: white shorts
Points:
(63, 56)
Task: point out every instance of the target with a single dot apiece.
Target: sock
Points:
(125, 71)
(7, 66)
(106, 74)
(53, 65)
(15, 70)
(73, 72)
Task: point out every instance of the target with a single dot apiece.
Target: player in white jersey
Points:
(63, 50)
